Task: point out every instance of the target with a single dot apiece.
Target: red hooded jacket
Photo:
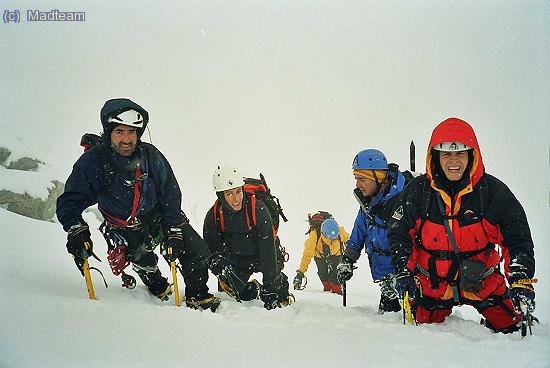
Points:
(486, 220)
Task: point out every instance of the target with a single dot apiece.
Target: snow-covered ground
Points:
(48, 321)
(292, 89)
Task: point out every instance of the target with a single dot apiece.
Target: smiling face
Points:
(124, 139)
(453, 164)
(234, 197)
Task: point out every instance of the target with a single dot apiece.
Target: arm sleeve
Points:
(507, 213)
(169, 194)
(211, 233)
(402, 224)
(80, 192)
(309, 251)
(356, 242)
(266, 246)
(344, 236)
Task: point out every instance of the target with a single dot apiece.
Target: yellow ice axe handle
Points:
(174, 278)
(407, 309)
(87, 276)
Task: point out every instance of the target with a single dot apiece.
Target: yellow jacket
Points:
(314, 248)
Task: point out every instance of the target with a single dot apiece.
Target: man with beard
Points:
(140, 200)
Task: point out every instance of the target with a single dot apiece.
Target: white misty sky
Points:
(290, 88)
(293, 89)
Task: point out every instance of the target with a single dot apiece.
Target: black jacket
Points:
(245, 248)
(89, 183)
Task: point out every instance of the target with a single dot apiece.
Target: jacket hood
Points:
(116, 106)
(456, 130)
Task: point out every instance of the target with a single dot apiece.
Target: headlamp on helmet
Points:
(451, 147)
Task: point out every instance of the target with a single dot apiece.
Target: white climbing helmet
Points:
(225, 178)
(131, 118)
(451, 147)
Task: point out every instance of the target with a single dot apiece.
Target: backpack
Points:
(257, 188)
(315, 221)
(90, 140)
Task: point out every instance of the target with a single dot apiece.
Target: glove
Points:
(269, 299)
(217, 263)
(344, 270)
(523, 295)
(79, 244)
(173, 245)
(298, 280)
(77, 236)
(404, 282)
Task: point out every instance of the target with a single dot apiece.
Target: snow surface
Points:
(290, 89)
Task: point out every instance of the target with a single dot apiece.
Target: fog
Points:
(292, 89)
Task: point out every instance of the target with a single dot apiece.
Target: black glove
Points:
(173, 244)
(404, 282)
(344, 270)
(523, 297)
(217, 263)
(298, 280)
(270, 299)
(79, 244)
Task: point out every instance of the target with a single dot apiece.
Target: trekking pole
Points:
(87, 276)
(174, 278)
(344, 294)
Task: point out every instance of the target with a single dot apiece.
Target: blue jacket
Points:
(370, 230)
(89, 184)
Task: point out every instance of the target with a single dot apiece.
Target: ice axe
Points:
(174, 278)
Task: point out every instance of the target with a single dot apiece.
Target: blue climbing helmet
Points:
(329, 229)
(370, 159)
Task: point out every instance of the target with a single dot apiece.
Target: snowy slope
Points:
(48, 321)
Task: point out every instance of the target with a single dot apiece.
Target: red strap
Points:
(218, 216)
(253, 205)
(137, 193)
(137, 196)
(250, 209)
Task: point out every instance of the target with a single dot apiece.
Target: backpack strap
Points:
(250, 214)
(250, 208)
(218, 216)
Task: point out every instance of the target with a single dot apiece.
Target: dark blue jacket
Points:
(370, 230)
(89, 183)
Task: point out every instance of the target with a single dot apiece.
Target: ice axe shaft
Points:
(407, 312)
(174, 278)
(87, 276)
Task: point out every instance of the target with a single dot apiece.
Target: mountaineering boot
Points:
(507, 330)
(156, 283)
(287, 301)
(389, 301)
(207, 301)
(165, 295)
(251, 291)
